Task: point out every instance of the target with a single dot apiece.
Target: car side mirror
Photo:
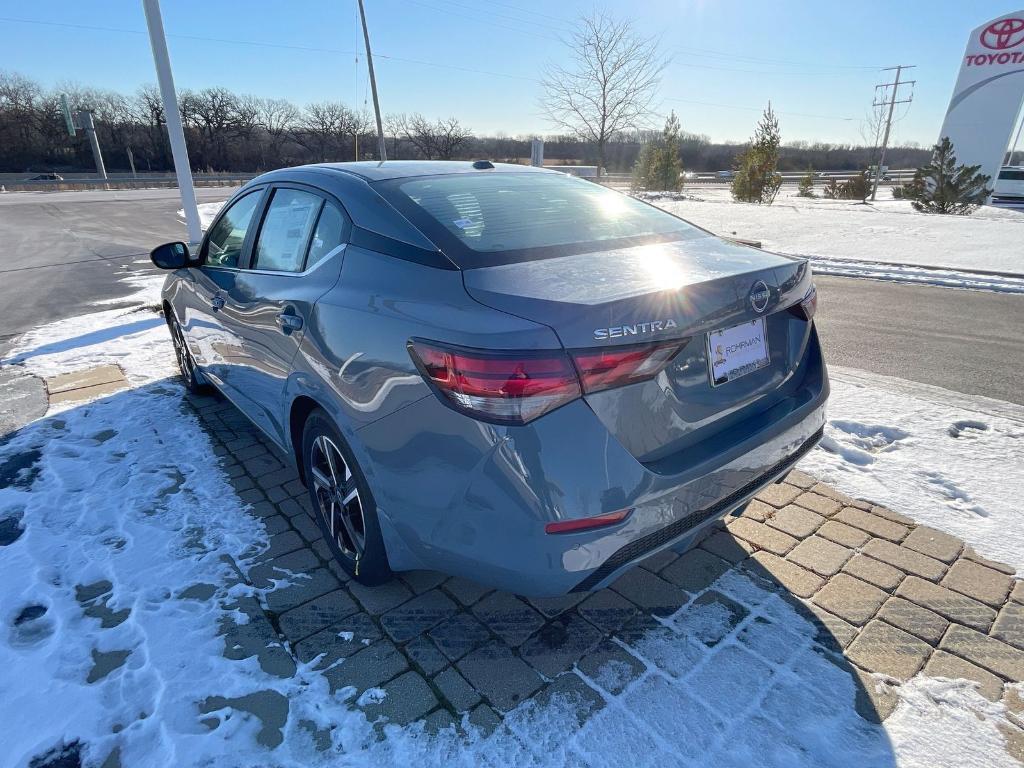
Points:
(171, 256)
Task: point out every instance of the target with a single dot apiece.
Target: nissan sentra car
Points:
(499, 372)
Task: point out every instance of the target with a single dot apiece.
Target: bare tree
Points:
(325, 125)
(277, 117)
(438, 140)
(393, 127)
(610, 85)
(217, 119)
(148, 108)
(360, 126)
(871, 128)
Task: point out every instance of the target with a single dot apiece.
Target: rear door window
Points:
(330, 234)
(285, 233)
(227, 238)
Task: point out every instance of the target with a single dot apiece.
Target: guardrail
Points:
(170, 182)
(231, 180)
(788, 179)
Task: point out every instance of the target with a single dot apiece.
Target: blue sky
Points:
(816, 60)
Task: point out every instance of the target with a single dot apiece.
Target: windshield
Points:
(497, 218)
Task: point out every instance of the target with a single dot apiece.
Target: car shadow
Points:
(701, 656)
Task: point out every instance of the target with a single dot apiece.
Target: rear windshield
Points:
(499, 218)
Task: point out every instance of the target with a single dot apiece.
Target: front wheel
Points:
(342, 503)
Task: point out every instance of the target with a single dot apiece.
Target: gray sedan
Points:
(498, 372)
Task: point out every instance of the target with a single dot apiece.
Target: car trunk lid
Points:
(677, 290)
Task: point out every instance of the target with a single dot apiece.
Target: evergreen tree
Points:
(942, 186)
(806, 188)
(757, 177)
(856, 188)
(659, 166)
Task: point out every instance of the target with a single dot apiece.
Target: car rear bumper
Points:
(472, 499)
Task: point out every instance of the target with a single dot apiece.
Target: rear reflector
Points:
(498, 386)
(617, 366)
(808, 305)
(587, 523)
(810, 302)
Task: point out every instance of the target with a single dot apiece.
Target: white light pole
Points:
(172, 116)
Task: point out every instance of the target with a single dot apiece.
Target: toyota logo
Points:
(759, 295)
(1006, 33)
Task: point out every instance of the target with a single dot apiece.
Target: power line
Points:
(264, 44)
(487, 21)
(256, 43)
(765, 71)
(756, 59)
(563, 19)
(490, 15)
(759, 109)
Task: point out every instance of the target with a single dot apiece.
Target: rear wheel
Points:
(342, 503)
(186, 363)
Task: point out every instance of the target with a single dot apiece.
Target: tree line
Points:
(243, 133)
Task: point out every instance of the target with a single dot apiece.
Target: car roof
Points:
(372, 170)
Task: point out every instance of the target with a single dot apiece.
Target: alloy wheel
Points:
(337, 496)
(184, 356)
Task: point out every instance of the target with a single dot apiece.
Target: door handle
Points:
(288, 322)
(217, 302)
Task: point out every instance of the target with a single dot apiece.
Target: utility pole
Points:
(373, 86)
(131, 161)
(175, 132)
(888, 120)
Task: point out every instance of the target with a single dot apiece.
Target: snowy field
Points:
(887, 230)
(116, 491)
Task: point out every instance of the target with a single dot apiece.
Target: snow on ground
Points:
(119, 491)
(905, 273)
(887, 231)
(206, 212)
(947, 460)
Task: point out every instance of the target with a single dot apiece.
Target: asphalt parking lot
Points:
(64, 251)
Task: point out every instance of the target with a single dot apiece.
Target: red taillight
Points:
(507, 387)
(517, 387)
(586, 523)
(617, 366)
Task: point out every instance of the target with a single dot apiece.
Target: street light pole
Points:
(175, 131)
(382, 150)
(86, 121)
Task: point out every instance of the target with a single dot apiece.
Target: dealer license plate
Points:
(737, 351)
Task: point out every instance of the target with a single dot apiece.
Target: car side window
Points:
(225, 241)
(285, 232)
(329, 235)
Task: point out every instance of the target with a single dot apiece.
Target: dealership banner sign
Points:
(988, 94)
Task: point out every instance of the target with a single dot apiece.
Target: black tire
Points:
(355, 539)
(193, 379)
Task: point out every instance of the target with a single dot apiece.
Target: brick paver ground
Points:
(884, 596)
